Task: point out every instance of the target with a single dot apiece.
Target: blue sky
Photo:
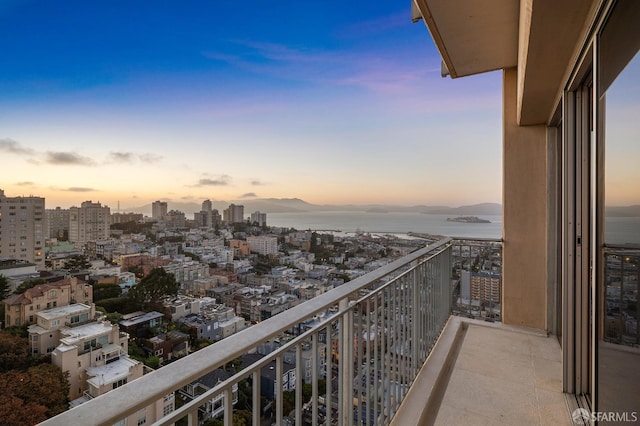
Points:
(332, 102)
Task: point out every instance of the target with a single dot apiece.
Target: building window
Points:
(142, 421)
(119, 383)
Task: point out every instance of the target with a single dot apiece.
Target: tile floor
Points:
(505, 376)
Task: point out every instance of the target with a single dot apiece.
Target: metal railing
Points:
(622, 310)
(377, 331)
(477, 278)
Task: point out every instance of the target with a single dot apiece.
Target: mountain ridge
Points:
(297, 205)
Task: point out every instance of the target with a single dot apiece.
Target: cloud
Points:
(25, 183)
(150, 157)
(79, 189)
(249, 195)
(67, 158)
(130, 157)
(125, 157)
(13, 147)
(256, 182)
(222, 180)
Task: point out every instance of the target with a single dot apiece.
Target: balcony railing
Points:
(376, 330)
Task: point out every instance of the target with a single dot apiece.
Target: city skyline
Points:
(338, 104)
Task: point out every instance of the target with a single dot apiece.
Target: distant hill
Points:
(622, 211)
(296, 205)
(476, 209)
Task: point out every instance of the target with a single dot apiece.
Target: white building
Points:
(89, 222)
(259, 218)
(264, 244)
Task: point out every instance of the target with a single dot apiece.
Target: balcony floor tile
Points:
(505, 376)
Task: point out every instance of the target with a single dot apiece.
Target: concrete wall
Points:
(524, 297)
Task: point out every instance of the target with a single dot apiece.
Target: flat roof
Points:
(111, 372)
(148, 316)
(81, 333)
(61, 311)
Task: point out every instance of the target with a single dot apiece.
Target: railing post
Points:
(255, 396)
(345, 369)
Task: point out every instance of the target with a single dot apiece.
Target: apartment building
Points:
(126, 217)
(22, 228)
(158, 210)
(22, 308)
(485, 287)
(94, 356)
(263, 244)
(181, 306)
(240, 248)
(258, 218)
(89, 222)
(44, 335)
(233, 214)
(57, 223)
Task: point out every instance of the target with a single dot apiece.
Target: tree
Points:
(14, 352)
(153, 362)
(78, 262)
(31, 396)
(106, 291)
(5, 291)
(148, 293)
(5, 288)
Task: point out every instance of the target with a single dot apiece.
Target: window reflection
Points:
(618, 365)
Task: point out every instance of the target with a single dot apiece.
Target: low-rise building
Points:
(181, 306)
(21, 309)
(139, 324)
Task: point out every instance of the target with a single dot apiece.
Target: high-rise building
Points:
(22, 228)
(89, 222)
(485, 287)
(233, 214)
(208, 217)
(259, 218)
(57, 223)
(159, 210)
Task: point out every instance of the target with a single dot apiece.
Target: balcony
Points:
(393, 355)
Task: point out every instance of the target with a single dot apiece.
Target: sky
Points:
(332, 102)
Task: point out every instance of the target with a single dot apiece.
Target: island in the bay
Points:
(468, 219)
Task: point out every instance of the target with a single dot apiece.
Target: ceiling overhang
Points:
(540, 38)
(473, 36)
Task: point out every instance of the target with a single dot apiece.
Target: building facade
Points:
(159, 210)
(264, 244)
(259, 219)
(233, 214)
(22, 228)
(57, 223)
(89, 222)
(22, 308)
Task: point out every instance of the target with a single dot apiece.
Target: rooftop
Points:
(78, 334)
(111, 372)
(64, 311)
